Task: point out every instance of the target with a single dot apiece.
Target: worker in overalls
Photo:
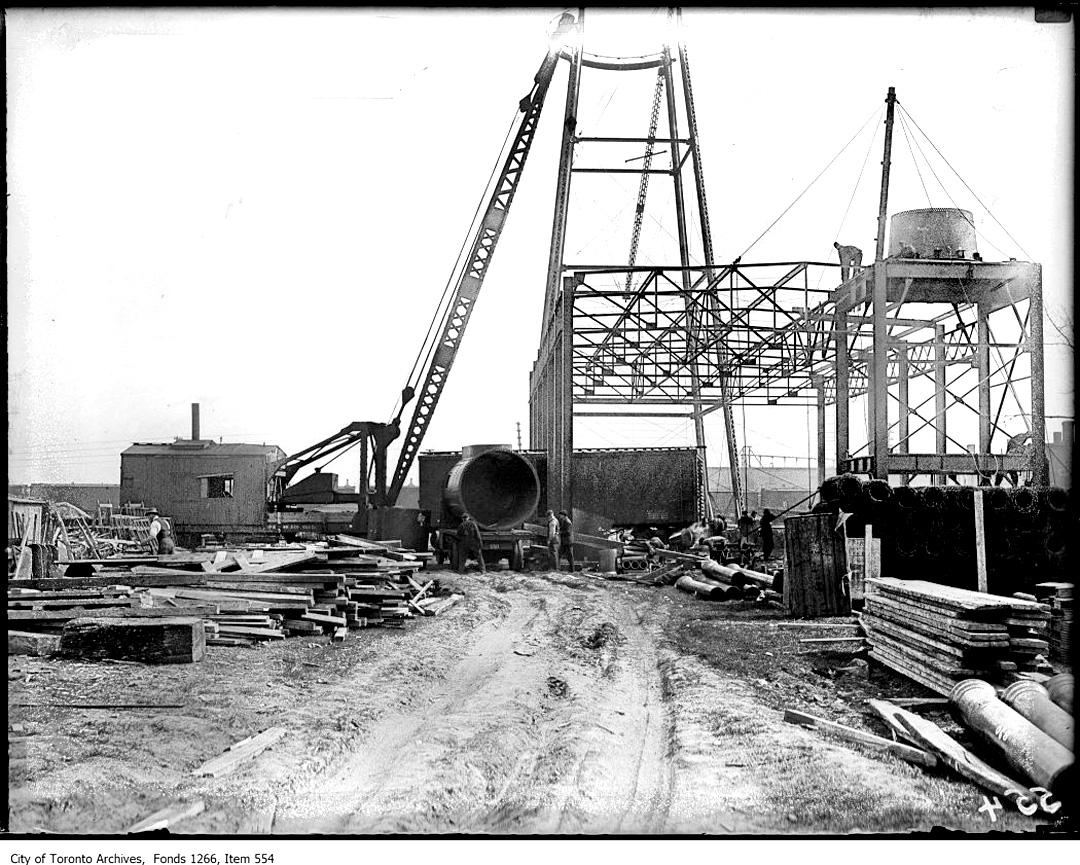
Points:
(155, 530)
(166, 545)
(850, 260)
(470, 543)
(553, 539)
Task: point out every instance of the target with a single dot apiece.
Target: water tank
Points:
(933, 232)
(499, 488)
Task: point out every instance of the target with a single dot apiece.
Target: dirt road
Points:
(542, 704)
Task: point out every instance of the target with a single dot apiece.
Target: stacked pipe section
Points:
(928, 533)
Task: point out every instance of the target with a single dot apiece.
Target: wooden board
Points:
(956, 630)
(108, 613)
(960, 599)
(24, 643)
(946, 665)
(849, 734)
(815, 565)
(169, 816)
(247, 749)
(929, 644)
(178, 640)
(952, 753)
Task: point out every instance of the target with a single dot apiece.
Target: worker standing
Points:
(746, 526)
(766, 534)
(470, 543)
(850, 260)
(553, 539)
(566, 538)
(155, 530)
(166, 546)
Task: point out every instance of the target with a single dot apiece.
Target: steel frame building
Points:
(923, 341)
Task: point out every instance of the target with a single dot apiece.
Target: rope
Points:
(427, 347)
(968, 188)
(876, 112)
(914, 161)
(858, 180)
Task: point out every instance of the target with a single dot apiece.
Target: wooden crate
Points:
(815, 567)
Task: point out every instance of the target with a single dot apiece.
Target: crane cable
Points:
(961, 179)
(873, 114)
(442, 309)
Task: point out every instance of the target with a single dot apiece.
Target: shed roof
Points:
(202, 448)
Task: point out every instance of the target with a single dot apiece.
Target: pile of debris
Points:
(938, 635)
(234, 597)
(700, 575)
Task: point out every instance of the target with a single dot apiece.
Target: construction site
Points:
(620, 616)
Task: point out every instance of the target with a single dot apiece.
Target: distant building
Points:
(1059, 452)
(774, 487)
(86, 497)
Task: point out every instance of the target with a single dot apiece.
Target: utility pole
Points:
(879, 401)
(519, 434)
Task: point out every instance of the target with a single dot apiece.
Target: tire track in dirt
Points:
(551, 722)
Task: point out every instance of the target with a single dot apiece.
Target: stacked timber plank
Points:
(938, 635)
(241, 596)
(1060, 598)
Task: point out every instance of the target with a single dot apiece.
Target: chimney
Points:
(194, 421)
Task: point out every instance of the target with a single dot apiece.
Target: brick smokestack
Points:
(195, 421)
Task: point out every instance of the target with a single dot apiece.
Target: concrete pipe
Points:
(829, 491)
(1057, 499)
(906, 497)
(851, 489)
(709, 592)
(730, 592)
(1027, 749)
(879, 491)
(932, 497)
(1032, 701)
(719, 572)
(499, 488)
(1025, 501)
(1060, 689)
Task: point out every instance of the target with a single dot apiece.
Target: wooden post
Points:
(980, 540)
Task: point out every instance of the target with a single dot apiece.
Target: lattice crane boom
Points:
(472, 275)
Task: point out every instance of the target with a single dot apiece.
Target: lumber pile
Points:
(938, 635)
(241, 596)
(1060, 597)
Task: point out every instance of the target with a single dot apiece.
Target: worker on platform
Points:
(553, 539)
(470, 543)
(566, 539)
(1016, 446)
(155, 530)
(765, 527)
(850, 260)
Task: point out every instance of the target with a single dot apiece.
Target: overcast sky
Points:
(258, 210)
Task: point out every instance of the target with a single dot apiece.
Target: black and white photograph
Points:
(537, 423)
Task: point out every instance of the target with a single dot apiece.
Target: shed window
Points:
(216, 487)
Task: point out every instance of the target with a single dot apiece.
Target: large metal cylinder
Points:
(1026, 748)
(933, 232)
(1060, 689)
(499, 488)
(1032, 701)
